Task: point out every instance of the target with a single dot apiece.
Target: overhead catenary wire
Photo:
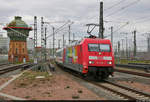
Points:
(122, 8)
(58, 29)
(137, 19)
(144, 20)
(140, 20)
(107, 21)
(118, 3)
(119, 28)
(143, 17)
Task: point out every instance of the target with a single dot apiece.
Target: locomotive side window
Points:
(104, 47)
(93, 47)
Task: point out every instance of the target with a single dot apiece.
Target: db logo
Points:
(100, 57)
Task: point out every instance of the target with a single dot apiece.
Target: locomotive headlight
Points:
(91, 62)
(109, 62)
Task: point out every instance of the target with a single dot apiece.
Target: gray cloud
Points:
(79, 11)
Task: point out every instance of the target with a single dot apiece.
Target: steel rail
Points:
(125, 96)
(143, 67)
(3, 64)
(139, 64)
(134, 66)
(130, 89)
(126, 92)
(114, 91)
(99, 85)
(133, 72)
(12, 68)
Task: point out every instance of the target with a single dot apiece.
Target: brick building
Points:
(18, 31)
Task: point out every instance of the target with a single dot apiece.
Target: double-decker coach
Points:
(90, 56)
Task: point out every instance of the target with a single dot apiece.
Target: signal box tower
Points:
(18, 31)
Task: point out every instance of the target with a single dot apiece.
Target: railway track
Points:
(133, 72)
(143, 67)
(12, 68)
(139, 64)
(3, 64)
(122, 92)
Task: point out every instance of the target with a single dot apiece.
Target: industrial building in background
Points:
(30, 44)
(18, 31)
(4, 44)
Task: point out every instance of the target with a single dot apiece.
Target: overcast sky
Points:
(116, 13)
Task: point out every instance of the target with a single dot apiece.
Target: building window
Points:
(16, 50)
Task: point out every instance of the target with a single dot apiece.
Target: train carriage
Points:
(90, 56)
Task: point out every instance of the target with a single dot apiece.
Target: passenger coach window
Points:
(93, 47)
(104, 47)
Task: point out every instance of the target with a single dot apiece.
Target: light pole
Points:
(122, 47)
(126, 43)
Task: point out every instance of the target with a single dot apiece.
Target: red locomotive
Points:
(92, 56)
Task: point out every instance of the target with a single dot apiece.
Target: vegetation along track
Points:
(12, 68)
(118, 90)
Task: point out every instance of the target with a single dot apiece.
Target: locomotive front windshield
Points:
(99, 47)
(93, 47)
